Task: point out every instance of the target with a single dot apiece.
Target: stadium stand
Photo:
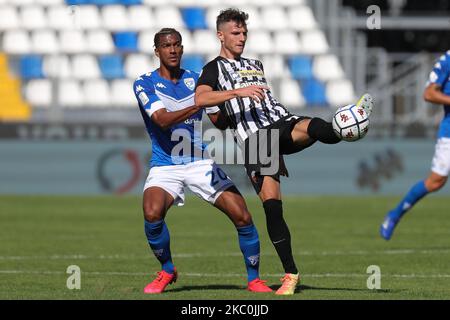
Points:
(86, 53)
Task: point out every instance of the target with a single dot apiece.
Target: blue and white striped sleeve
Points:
(146, 96)
(441, 71)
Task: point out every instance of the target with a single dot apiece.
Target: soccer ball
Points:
(350, 123)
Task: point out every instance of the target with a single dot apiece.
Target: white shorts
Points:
(441, 159)
(204, 178)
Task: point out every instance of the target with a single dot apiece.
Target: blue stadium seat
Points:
(126, 41)
(130, 2)
(314, 92)
(193, 62)
(31, 67)
(301, 67)
(103, 2)
(77, 2)
(111, 66)
(194, 18)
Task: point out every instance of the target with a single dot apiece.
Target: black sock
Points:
(322, 131)
(279, 234)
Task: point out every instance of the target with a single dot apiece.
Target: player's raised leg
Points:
(433, 183)
(233, 205)
(156, 202)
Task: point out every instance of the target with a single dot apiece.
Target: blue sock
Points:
(159, 240)
(249, 244)
(417, 192)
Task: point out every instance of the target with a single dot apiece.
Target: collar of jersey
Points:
(183, 72)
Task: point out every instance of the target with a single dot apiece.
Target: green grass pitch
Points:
(334, 240)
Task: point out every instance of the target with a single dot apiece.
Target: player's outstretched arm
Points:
(164, 119)
(434, 94)
(206, 97)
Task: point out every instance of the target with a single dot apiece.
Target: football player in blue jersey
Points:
(166, 102)
(437, 91)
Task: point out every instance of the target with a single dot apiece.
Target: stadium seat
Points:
(327, 67)
(21, 2)
(157, 3)
(85, 66)
(262, 3)
(58, 18)
(38, 93)
(286, 42)
(145, 41)
(69, 94)
(138, 64)
(194, 18)
(16, 42)
(165, 15)
(314, 92)
(32, 17)
(72, 41)
(76, 2)
(290, 94)
(274, 18)
(140, 18)
(126, 41)
(193, 62)
(99, 42)
(188, 41)
(205, 42)
(57, 67)
(274, 66)
(301, 18)
(130, 2)
(300, 67)
(31, 67)
(104, 2)
(254, 21)
(115, 18)
(122, 94)
(9, 18)
(89, 17)
(97, 93)
(259, 42)
(49, 3)
(111, 66)
(44, 42)
(340, 92)
(313, 42)
(288, 3)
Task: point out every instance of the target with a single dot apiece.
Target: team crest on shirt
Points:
(190, 83)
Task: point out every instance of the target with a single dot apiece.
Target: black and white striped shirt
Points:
(244, 115)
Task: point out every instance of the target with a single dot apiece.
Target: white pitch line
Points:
(229, 254)
(231, 275)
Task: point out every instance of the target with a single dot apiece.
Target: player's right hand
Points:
(254, 92)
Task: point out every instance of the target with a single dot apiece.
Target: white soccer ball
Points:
(351, 123)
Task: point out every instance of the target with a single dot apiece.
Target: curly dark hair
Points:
(164, 32)
(231, 14)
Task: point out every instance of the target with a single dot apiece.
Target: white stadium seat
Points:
(145, 41)
(286, 42)
(21, 2)
(122, 94)
(96, 93)
(274, 18)
(290, 94)
(38, 93)
(70, 94)
(301, 18)
(327, 67)
(286, 3)
(205, 42)
(156, 3)
(72, 41)
(9, 18)
(340, 92)
(115, 18)
(274, 66)
(88, 17)
(57, 67)
(188, 41)
(262, 3)
(99, 42)
(49, 3)
(32, 17)
(185, 3)
(85, 66)
(44, 42)
(140, 18)
(167, 15)
(138, 64)
(313, 42)
(254, 21)
(259, 42)
(58, 18)
(16, 42)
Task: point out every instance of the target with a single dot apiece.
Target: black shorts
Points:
(272, 162)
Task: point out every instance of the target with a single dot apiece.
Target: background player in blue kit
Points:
(437, 91)
(166, 102)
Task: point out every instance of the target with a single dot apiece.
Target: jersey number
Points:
(217, 173)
